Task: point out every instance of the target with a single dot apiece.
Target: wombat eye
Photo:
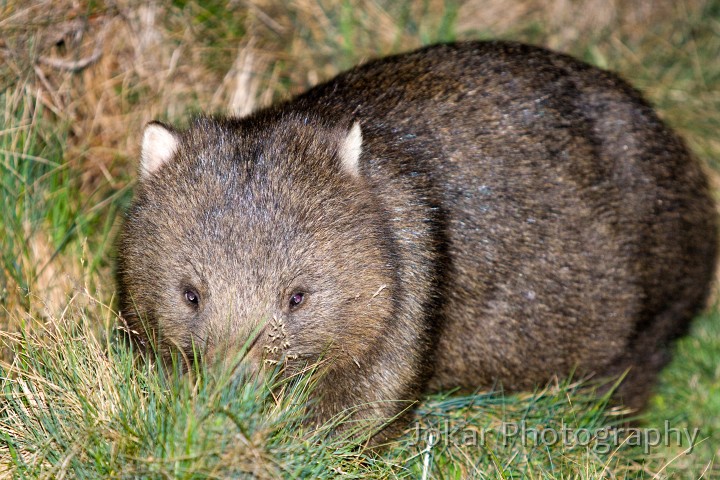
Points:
(296, 299)
(192, 297)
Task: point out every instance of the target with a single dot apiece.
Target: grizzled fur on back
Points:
(460, 216)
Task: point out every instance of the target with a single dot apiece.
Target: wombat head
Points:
(257, 231)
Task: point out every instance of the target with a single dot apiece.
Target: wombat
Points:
(462, 216)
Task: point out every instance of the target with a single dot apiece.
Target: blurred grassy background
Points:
(79, 79)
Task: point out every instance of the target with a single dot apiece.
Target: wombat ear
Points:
(350, 150)
(159, 144)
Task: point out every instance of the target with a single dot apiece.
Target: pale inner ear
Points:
(350, 150)
(158, 147)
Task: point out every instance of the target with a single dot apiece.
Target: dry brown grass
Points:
(568, 22)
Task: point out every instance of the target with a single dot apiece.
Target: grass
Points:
(95, 410)
(76, 401)
(28, 175)
(50, 231)
(689, 396)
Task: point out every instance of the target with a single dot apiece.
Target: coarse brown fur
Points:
(514, 214)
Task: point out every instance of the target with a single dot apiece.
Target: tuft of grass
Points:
(564, 430)
(29, 172)
(77, 401)
(689, 397)
(49, 227)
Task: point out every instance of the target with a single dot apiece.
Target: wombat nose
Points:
(230, 350)
(228, 355)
